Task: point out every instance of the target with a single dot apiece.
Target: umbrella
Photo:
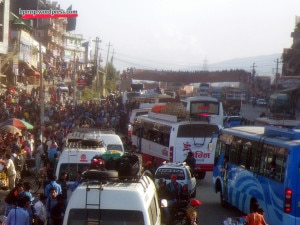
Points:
(21, 124)
(10, 129)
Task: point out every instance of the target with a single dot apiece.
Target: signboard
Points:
(81, 82)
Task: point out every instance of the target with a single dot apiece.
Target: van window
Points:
(72, 168)
(105, 217)
(167, 172)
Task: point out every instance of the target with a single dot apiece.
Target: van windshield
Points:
(105, 217)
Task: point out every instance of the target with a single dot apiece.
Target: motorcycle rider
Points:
(191, 212)
(175, 187)
(165, 193)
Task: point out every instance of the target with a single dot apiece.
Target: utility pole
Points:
(97, 41)
(73, 81)
(253, 79)
(112, 57)
(42, 96)
(106, 70)
(276, 74)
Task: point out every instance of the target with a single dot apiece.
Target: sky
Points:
(184, 34)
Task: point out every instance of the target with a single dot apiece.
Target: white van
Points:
(138, 112)
(77, 156)
(111, 140)
(114, 201)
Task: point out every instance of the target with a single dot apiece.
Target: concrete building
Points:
(4, 29)
(4, 26)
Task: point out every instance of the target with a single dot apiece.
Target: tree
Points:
(111, 77)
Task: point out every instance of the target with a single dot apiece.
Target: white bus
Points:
(204, 89)
(205, 108)
(162, 137)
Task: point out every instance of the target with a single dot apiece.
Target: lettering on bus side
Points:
(200, 154)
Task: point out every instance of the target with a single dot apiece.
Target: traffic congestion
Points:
(76, 136)
(149, 112)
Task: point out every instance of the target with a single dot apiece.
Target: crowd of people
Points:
(17, 148)
(60, 119)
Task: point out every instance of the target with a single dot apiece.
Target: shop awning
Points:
(36, 73)
(29, 69)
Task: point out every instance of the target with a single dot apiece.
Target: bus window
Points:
(280, 168)
(246, 158)
(234, 153)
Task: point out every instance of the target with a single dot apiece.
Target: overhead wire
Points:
(142, 63)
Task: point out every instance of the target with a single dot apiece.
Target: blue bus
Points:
(255, 164)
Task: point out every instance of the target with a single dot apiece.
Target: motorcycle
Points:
(174, 213)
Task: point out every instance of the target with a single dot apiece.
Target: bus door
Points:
(139, 136)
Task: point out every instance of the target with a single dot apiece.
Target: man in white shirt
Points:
(40, 208)
(11, 171)
(37, 154)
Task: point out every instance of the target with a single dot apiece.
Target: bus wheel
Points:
(223, 202)
(201, 175)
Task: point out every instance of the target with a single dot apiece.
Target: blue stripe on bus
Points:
(247, 186)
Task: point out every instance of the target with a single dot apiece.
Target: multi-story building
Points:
(74, 52)
(4, 29)
(48, 31)
(290, 56)
(4, 24)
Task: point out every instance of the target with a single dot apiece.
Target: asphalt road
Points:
(251, 113)
(211, 212)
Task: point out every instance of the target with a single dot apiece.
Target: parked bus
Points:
(163, 137)
(262, 166)
(205, 108)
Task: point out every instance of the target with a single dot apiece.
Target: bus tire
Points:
(222, 199)
(223, 202)
(201, 175)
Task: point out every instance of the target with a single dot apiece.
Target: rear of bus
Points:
(205, 108)
(197, 137)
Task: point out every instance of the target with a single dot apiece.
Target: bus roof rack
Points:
(293, 134)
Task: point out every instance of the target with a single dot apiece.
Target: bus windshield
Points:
(207, 107)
